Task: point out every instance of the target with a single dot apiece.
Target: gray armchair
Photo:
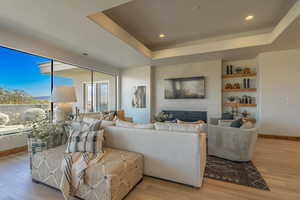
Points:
(234, 144)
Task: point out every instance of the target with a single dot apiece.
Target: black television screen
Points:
(185, 88)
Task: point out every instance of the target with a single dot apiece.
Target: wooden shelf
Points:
(240, 90)
(239, 105)
(238, 75)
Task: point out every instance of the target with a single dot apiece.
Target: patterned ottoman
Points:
(110, 179)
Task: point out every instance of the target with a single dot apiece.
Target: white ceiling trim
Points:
(105, 22)
(236, 43)
(190, 48)
(291, 16)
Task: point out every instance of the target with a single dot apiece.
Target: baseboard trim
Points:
(13, 151)
(279, 137)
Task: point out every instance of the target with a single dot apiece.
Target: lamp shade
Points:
(63, 94)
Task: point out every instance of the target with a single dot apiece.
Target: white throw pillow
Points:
(162, 126)
(93, 124)
(191, 128)
(107, 123)
(120, 123)
(124, 124)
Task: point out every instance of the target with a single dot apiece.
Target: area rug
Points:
(242, 173)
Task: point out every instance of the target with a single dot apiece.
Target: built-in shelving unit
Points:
(236, 76)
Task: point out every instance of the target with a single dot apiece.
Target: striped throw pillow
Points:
(85, 141)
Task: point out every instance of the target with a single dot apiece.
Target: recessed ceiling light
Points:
(162, 35)
(249, 17)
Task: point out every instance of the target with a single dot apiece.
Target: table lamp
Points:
(63, 95)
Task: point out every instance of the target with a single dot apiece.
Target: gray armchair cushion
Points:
(231, 143)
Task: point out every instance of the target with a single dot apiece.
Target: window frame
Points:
(94, 95)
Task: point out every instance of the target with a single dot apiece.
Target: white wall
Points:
(212, 70)
(280, 92)
(133, 77)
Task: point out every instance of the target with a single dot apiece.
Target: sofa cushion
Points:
(124, 124)
(192, 128)
(86, 124)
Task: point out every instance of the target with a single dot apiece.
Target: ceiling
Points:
(187, 20)
(64, 23)
(195, 29)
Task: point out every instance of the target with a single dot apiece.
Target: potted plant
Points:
(161, 117)
(231, 99)
(45, 134)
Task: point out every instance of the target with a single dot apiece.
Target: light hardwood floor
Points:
(277, 160)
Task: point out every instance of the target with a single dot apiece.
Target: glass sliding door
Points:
(101, 96)
(104, 92)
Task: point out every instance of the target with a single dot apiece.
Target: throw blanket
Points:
(73, 167)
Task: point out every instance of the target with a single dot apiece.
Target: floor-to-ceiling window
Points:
(95, 91)
(24, 91)
(26, 83)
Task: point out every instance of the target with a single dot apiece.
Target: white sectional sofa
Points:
(169, 155)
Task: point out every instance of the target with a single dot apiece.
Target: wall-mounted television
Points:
(185, 88)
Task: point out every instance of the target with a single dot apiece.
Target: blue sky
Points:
(19, 70)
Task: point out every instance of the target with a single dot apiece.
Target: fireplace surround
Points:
(187, 116)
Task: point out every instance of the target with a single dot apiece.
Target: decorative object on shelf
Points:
(236, 86)
(231, 99)
(185, 88)
(231, 69)
(238, 70)
(63, 95)
(228, 86)
(139, 96)
(244, 83)
(247, 71)
(227, 69)
(247, 100)
(245, 113)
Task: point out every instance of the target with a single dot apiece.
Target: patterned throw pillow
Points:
(85, 141)
(109, 116)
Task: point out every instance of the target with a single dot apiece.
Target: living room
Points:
(151, 99)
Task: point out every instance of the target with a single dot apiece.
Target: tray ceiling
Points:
(189, 20)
